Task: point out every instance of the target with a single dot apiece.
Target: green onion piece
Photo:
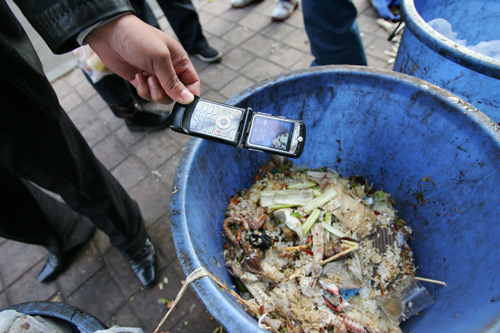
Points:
(380, 195)
(328, 221)
(400, 223)
(321, 200)
(297, 186)
(311, 219)
(297, 215)
(288, 197)
(333, 230)
(240, 285)
(282, 206)
(285, 197)
(317, 192)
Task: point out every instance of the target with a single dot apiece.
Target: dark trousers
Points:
(182, 16)
(45, 148)
(184, 20)
(333, 32)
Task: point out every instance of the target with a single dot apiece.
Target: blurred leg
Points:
(39, 219)
(43, 146)
(333, 32)
(184, 20)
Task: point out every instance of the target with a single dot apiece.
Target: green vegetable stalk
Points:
(275, 207)
(321, 200)
(240, 285)
(311, 219)
(333, 230)
(297, 186)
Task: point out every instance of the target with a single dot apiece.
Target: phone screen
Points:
(271, 132)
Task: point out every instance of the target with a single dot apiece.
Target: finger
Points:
(141, 85)
(169, 79)
(157, 93)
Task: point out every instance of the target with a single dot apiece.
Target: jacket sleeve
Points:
(60, 21)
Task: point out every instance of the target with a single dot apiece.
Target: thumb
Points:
(170, 75)
(177, 91)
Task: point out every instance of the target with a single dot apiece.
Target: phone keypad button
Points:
(216, 120)
(223, 121)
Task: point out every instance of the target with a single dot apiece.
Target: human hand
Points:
(155, 63)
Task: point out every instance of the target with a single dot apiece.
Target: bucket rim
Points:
(445, 47)
(235, 317)
(81, 319)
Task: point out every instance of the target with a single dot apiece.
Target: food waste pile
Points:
(315, 250)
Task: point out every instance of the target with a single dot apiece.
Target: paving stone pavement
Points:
(100, 281)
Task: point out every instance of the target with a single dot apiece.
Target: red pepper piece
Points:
(308, 251)
(331, 305)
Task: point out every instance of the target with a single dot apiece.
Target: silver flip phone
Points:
(239, 127)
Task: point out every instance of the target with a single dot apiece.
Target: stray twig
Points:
(296, 248)
(430, 280)
(200, 272)
(340, 254)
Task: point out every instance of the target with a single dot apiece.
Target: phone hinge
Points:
(246, 123)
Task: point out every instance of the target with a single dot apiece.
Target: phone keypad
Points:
(216, 120)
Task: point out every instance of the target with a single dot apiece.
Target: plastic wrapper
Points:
(7, 318)
(37, 324)
(117, 329)
(90, 63)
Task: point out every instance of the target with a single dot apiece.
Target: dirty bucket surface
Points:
(428, 55)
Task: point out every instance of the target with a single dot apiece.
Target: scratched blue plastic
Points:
(426, 54)
(393, 129)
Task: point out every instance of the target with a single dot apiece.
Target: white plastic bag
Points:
(37, 324)
(7, 318)
(118, 329)
(90, 62)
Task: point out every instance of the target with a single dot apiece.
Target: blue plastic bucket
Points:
(69, 316)
(393, 129)
(426, 54)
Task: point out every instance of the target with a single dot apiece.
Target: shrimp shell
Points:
(258, 219)
(226, 227)
(318, 232)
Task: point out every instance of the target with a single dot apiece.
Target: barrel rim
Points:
(443, 46)
(75, 317)
(209, 292)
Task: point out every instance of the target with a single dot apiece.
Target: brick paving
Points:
(100, 281)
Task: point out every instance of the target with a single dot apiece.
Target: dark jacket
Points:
(58, 22)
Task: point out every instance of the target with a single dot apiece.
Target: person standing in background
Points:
(140, 115)
(283, 10)
(333, 32)
(40, 145)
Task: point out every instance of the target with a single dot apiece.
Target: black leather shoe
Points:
(145, 264)
(54, 266)
(147, 121)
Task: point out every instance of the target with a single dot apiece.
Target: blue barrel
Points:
(426, 54)
(395, 130)
(69, 316)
